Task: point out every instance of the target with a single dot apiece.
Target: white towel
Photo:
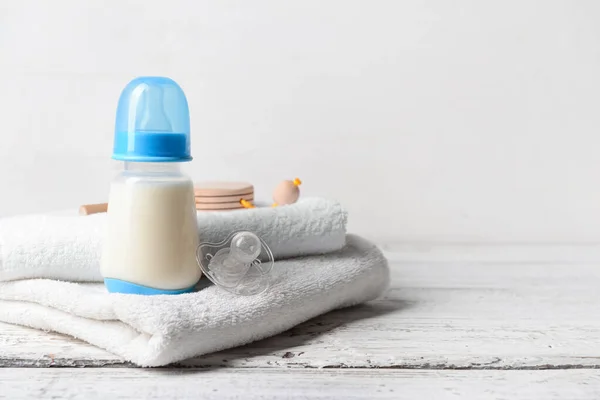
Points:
(69, 247)
(158, 330)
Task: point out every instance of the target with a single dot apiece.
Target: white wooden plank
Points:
(119, 383)
(24, 347)
(436, 315)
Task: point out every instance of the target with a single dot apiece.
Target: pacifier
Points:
(240, 264)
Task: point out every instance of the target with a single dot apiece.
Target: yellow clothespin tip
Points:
(297, 182)
(246, 204)
(274, 205)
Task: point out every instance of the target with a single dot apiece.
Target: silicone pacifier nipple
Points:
(230, 265)
(245, 246)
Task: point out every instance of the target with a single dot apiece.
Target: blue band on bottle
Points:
(119, 286)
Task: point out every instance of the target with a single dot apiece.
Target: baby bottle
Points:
(152, 234)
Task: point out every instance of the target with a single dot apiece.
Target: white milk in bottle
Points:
(152, 234)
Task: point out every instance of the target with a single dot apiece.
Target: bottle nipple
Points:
(154, 118)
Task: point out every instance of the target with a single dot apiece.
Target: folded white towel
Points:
(69, 247)
(158, 330)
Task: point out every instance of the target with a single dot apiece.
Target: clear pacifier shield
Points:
(240, 264)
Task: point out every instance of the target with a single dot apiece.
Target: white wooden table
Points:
(474, 321)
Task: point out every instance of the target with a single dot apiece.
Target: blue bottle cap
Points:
(153, 122)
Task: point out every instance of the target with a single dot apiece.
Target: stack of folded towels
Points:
(50, 279)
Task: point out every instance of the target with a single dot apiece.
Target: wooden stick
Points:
(88, 209)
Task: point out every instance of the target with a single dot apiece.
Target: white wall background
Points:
(431, 120)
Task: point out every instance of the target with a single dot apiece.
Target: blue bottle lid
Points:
(153, 122)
